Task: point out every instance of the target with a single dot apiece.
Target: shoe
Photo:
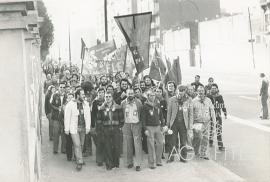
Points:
(183, 160)
(170, 160)
(159, 165)
(221, 148)
(130, 166)
(55, 152)
(138, 168)
(152, 167)
(69, 159)
(205, 158)
(63, 152)
(99, 164)
(108, 168)
(79, 167)
(163, 157)
(83, 163)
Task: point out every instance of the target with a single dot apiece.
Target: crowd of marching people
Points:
(127, 117)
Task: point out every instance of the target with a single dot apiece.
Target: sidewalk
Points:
(55, 168)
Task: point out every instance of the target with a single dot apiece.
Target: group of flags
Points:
(159, 72)
(136, 29)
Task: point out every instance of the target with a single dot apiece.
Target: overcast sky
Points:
(82, 17)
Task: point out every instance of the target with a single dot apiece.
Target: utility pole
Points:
(251, 38)
(69, 46)
(59, 55)
(105, 20)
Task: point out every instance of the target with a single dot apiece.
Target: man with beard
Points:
(180, 120)
(98, 127)
(77, 123)
(103, 82)
(203, 112)
(120, 96)
(142, 86)
(132, 130)
(218, 102)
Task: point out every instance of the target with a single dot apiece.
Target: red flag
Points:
(161, 65)
(154, 71)
(174, 74)
(136, 30)
(168, 64)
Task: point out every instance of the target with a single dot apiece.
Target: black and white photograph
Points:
(134, 90)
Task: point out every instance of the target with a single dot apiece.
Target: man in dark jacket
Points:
(58, 101)
(111, 116)
(218, 102)
(48, 110)
(120, 96)
(95, 123)
(152, 120)
(264, 96)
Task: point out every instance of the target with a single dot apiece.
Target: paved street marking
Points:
(249, 98)
(249, 123)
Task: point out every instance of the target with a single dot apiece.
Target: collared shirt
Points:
(202, 110)
(131, 113)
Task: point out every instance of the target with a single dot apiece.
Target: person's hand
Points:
(67, 132)
(165, 128)
(87, 131)
(146, 132)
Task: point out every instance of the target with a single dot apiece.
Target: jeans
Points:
(218, 132)
(179, 128)
(49, 116)
(78, 141)
(155, 145)
(100, 144)
(112, 146)
(87, 148)
(57, 132)
(200, 140)
(132, 133)
(69, 146)
(264, 106)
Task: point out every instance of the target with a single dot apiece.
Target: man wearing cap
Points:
(180, 120)
(197, 82)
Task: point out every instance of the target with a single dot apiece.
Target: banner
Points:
(102, 50)
(136, 30)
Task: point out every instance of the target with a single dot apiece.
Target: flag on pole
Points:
(168, 64)
(136, 30)
(161, 65)
(82, 49)
(154, 72)
(174, 74)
